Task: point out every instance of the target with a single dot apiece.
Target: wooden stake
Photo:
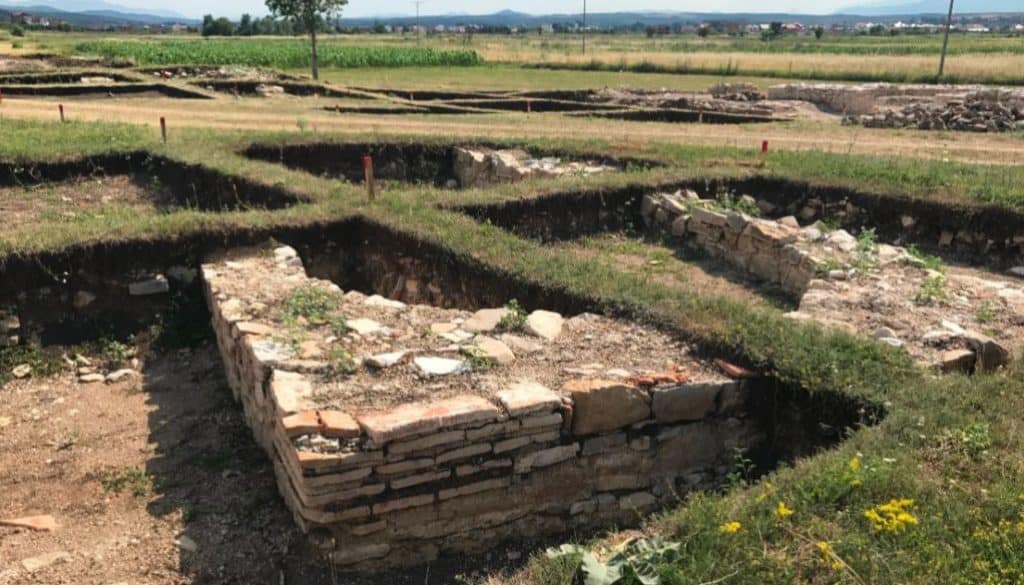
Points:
(163, 128)
(529, 105)
(371, 189)
(60, 108)
(764, 152)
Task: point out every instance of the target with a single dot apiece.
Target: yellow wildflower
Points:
(730, 527)
(855, 464)
(782, 511)
(892, 516)
(766, 490)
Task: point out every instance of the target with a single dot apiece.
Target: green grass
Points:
(272, 53)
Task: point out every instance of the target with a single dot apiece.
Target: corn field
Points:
(278, 54)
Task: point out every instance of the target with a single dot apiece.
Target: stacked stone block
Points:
(765, 248)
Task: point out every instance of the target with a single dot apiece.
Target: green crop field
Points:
(276, 53)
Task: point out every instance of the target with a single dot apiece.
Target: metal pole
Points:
(584, 27)
(945, 39)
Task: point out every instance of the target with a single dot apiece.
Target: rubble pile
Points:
(984, 111)
(737, 92)
(479, 167)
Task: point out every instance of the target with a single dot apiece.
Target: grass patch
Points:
(43, 363)
(133, 480)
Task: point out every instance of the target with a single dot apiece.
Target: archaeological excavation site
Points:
(252, 356)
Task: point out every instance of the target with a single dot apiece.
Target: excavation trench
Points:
(453, 166)
(98, 91)
(167, 184)
(940, 280)
(254, 88)
(406, 493)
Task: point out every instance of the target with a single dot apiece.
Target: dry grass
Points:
(973, 66)
(291, 113)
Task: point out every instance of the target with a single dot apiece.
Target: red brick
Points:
(301, 423)
(732, 370)
(338, 425)
(416, 419)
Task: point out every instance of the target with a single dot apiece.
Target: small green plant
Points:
(727, 200)
(342, 362)
(514, 318)
(43, 363)
(932, 290)
(639, 562)
(115, 354)
(133, 479)
(309, 303)
(826, 266)
(972, 440)
(303, 123)
(339, 325)
(866, 251)
(742, 469)
(17, 31)
(916, 257)
(985, 313)
(477, 359)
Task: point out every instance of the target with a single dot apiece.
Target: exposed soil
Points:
(208, 485)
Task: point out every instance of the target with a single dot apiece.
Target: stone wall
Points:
(765, 248)
(402, 485)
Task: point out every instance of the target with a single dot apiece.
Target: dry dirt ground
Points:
(292, 113)
(157, 481)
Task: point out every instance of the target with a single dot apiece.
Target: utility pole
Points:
(945, 39)
(417, 3)
(584, 27)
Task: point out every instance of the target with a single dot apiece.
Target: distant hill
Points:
(934, 7)
(99, 17)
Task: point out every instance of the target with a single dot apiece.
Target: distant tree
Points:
(309, 15)
(17, 31)
(819, 31)
(245, 26)
(219, 27)
(378, 28)
(776, 28)
(703, 31)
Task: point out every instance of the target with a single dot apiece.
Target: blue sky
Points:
(370, 7)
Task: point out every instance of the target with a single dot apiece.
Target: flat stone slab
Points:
(528, 398)
(364, 326)
(417, 419)
(438, 366)
(485, 320)
(495, 350)
(545, 324)
(686, 402)
(386, 360)
(605, 405)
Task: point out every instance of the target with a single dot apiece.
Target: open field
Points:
(900, 59)
(849, 458)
